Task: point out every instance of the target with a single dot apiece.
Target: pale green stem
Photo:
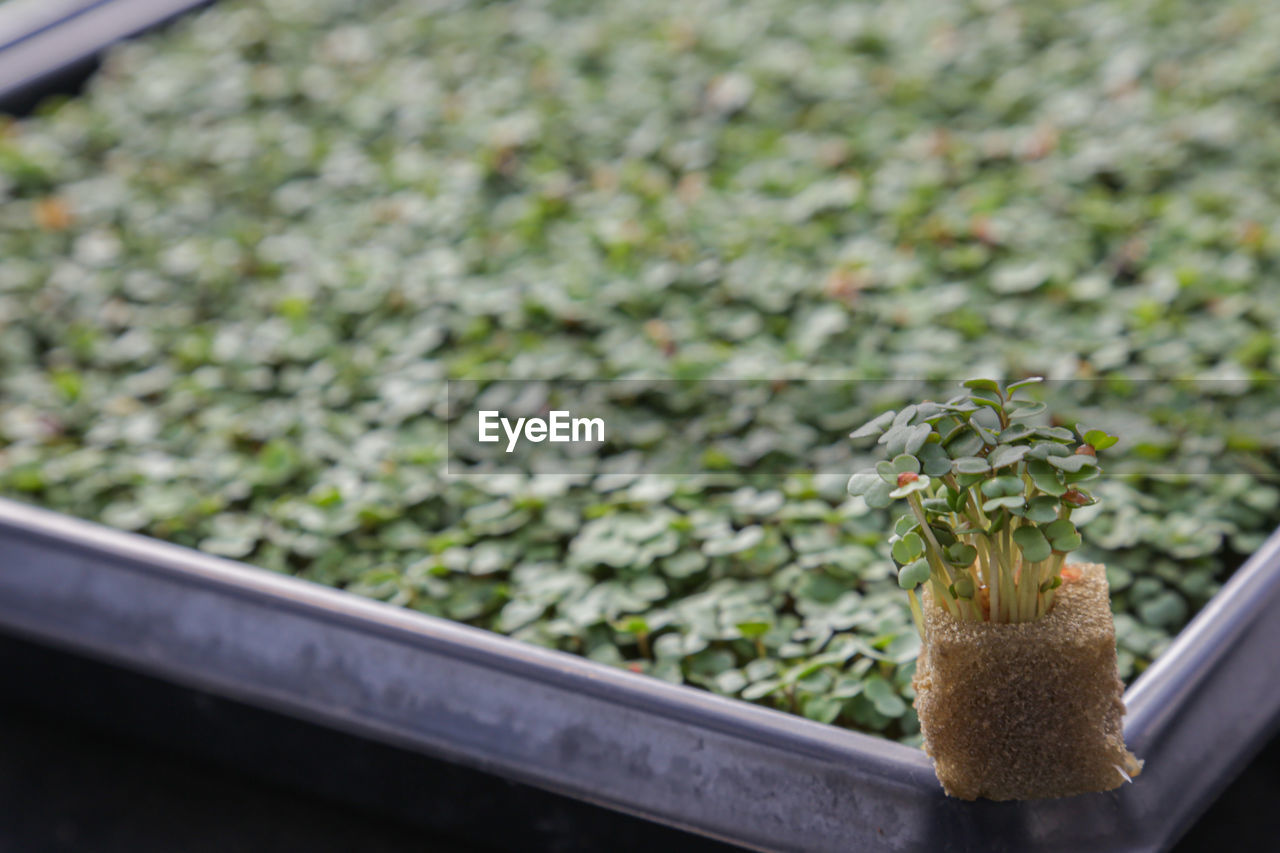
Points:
(934, 555)
(917, 615)
(1059, 558)
(1006, 552)
(970, 508)
(917, 508)
(940, 593)
(1031, 588)
(1005, 577)
(991, 570)
(975, 505)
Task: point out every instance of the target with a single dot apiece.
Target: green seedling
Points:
(990, 497)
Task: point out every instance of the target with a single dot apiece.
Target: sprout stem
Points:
(1014, 611)
(970, 505)
(940, 593)
(917, 615)
(992, 573)
(934, 555)
(1030, 585)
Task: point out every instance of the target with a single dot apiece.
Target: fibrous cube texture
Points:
(1026, 710)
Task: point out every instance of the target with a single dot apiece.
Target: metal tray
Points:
(49, 46)
(683, 757)
(715, 766)
(97, 758)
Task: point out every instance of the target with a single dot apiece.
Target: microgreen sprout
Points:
(990, 497)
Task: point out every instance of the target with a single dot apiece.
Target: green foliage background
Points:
(236, 272)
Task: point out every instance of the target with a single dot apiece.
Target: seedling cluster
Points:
(990, 497)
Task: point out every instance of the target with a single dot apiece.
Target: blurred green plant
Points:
(991, 496)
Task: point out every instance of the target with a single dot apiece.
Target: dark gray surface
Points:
(1245, 817)
(716, 766)
(65, 789)
(97, 759)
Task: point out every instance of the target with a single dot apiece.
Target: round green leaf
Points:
(934, 460)
(987, 434)
(1072, 463)
(1085, 474)
(1021, 410)
(1056, 433)
(1165, 610)
(913, 574)
(878, 496)
(1016, 432)
(884, 698)
(1046, 478)
(928, 410)
(1066, 543)
(824, 709)
(916, 438)
(1022, 383)
(942, 533)
(970, 465)
(1046, 449)
(1032, 543)
(875, 426)
(990, 401)
(1042, 509)
(1000, 486)
(908, 548)
(1059, 528)
(1007, 454)
(895, 435)
(1007, 502)
(965, 443)
(961, 554)
(1099, 439)
(905, 416)
(860, 482)
(761, 689)
(905, 464)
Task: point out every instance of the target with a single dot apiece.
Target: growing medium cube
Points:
(1027, 709)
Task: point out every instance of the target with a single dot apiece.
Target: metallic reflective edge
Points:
(720, 767)
(41, 39)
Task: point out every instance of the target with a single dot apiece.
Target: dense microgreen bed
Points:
(236, 271)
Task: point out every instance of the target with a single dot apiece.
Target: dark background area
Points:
(98, 759)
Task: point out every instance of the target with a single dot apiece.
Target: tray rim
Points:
(883, 772)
